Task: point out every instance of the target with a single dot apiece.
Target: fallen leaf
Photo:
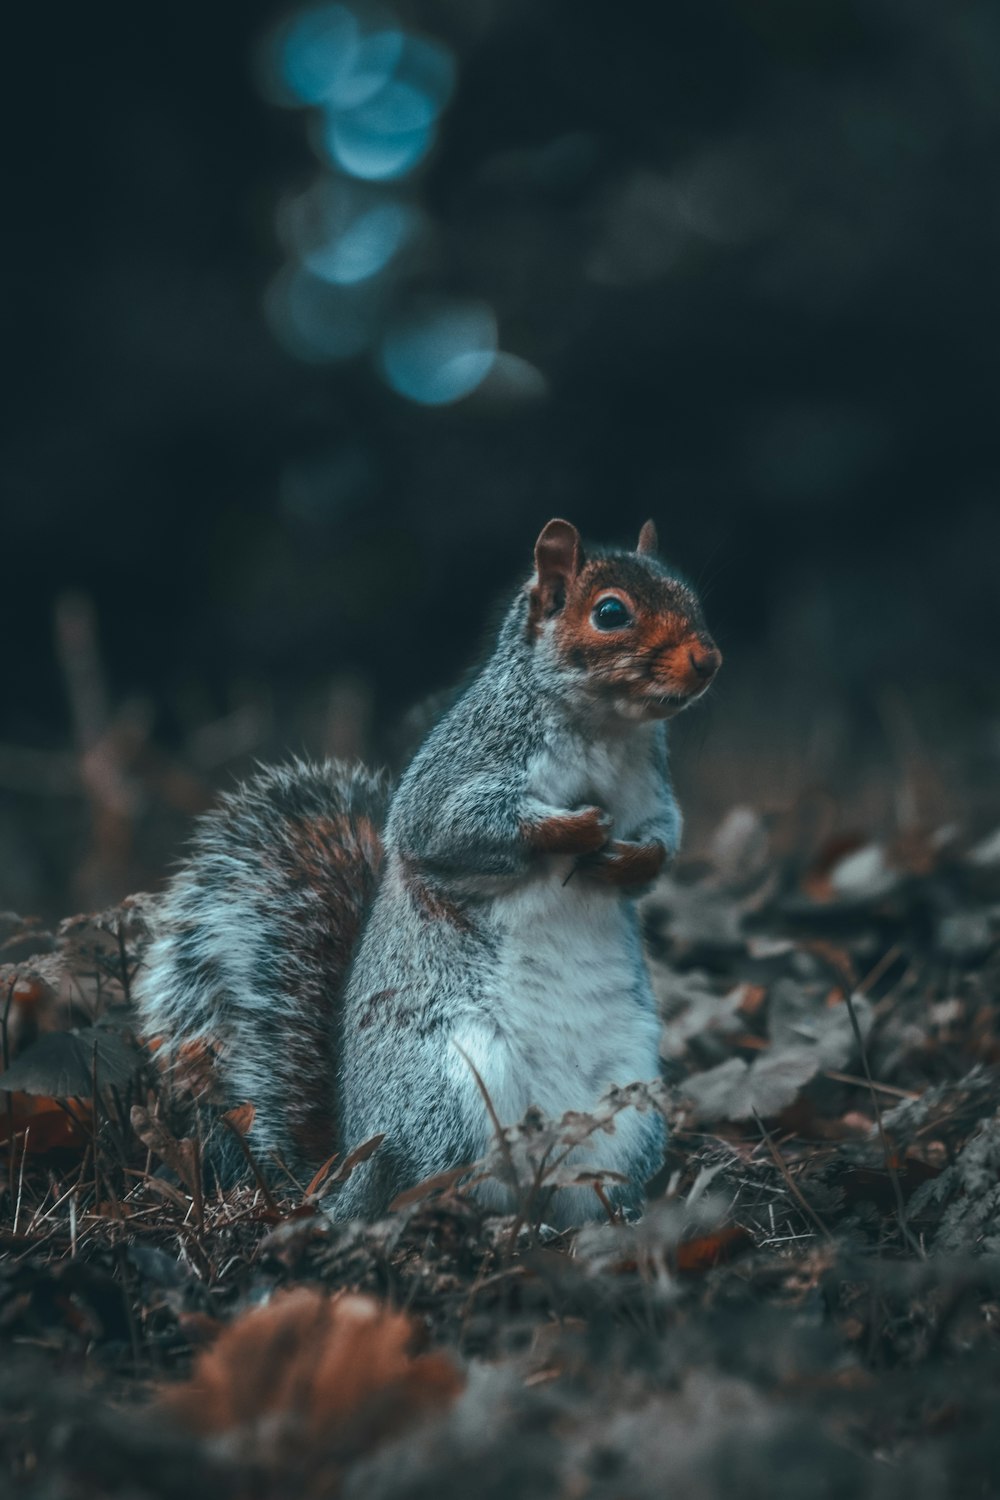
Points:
(356, 1157)
(319, 1177)
(39, 1125)
(740, 847)
(708, 1250)
(333, 1375)
(241, 1118)
(690, 1005)
(64, 1064)
(817, 882)
(180, 1156)
(798, 1018)
(864, 875)
(736, 1090)
(193, 1071)
(987, 852)
(440, 1181)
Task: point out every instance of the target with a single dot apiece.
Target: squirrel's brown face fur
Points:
(623, 620)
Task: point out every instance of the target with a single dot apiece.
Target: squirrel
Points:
(352, 951)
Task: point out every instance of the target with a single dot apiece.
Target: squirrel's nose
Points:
(705, 659)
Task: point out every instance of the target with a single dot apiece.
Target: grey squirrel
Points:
(351, 951)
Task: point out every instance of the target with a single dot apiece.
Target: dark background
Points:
(750, 247)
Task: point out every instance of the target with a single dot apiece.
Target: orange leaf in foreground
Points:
(333, 1373)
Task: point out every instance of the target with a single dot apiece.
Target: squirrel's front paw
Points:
(624, 864)
(580, 832)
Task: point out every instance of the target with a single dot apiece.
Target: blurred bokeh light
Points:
(442, 353)
(378, 91)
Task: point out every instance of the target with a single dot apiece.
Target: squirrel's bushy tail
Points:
(253, 942)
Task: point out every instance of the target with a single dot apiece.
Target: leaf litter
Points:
(810, 1302)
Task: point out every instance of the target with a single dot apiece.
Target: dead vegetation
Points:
(809, 1305)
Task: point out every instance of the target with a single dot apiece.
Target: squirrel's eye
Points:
(611, 614)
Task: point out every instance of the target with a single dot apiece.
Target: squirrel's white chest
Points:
(618, 776)
(569, 1011)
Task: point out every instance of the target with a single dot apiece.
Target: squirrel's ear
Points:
(647, 539)
(558, 559)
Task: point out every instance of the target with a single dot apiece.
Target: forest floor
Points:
(810, 1304)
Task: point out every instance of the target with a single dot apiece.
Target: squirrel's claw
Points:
(624, 864)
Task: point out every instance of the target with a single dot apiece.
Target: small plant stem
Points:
(793, 1187)
(11, 1155)
(614, 1216)
(123, 961)
(504, 1145)
(908, 1238)
(20, 1178)
(867, 1083)
(885, 963)
(259, 1178)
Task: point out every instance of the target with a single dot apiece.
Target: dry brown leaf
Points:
(318, 1178)
(708, 1250)
(241, 1117)
(38, 1125)
(333, 1373)
(356, 1157)
(193, 1069)
(180, 1156)
(424, 1189)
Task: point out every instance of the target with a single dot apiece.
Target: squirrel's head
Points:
(619, 624)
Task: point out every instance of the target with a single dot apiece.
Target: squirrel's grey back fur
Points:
(254, 937)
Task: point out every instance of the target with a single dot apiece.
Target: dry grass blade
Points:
(177, 1155)
(251, 1162)
(893, 1092)
(793, 1187)
(904, 1229)
(319, 1178)
(356, 1157)
(498, 1130)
